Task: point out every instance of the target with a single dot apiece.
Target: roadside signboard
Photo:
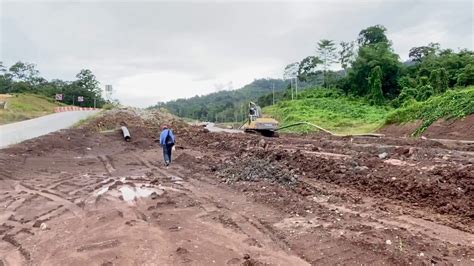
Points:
(108, 92)
(59, 96)
(80, 98)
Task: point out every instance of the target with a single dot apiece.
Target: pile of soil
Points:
(114, 119)
(416, 181)
(448, 191)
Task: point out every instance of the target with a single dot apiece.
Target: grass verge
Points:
(26, 106)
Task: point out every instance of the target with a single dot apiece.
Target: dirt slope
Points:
(456, 129)
(233, 199)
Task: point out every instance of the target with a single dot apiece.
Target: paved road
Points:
(28, 129)
(213, 128)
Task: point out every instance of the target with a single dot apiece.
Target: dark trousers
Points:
(167, 148)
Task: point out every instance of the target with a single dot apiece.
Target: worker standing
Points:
(167, 141)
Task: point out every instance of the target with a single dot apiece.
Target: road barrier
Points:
(73, 108)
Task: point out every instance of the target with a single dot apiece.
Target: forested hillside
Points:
(370, 71)
(231, 105)
(378, 88)
(373, 84)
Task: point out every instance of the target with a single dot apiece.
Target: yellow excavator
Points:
(258, 124)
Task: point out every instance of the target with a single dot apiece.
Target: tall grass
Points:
(455, 103)
(329, 109)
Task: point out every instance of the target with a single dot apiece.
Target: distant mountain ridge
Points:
(227, 105)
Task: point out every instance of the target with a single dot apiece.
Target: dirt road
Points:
(86, 197)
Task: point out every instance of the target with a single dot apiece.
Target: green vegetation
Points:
(330, 109)
(88, 120)
(228, 105)
(26, 106)
(373, 85)
(451, 104)
(25, 78)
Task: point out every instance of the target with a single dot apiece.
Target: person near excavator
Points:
(167, 141)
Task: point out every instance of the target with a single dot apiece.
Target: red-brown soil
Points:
(455, 129)
(233, 199)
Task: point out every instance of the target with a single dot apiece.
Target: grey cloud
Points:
(205, 41)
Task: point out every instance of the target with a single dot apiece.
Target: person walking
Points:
(167, 141)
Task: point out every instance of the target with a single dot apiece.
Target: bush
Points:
(109, 106)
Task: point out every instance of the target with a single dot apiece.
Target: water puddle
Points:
(129, 194)
(131, 188)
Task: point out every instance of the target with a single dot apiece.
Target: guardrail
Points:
(73, 108)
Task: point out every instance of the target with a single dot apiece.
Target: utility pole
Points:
(73, 99)
(94, 102)
(296, 86)
(273, 90)
(291, 86)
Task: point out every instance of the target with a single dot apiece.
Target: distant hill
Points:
(226, 106)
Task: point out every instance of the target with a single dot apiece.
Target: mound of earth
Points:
(457, 129)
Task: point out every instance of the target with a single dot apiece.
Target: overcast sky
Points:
(156, 51)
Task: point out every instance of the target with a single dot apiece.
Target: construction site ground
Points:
(84, 196)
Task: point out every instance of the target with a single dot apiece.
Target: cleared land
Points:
(84, 196)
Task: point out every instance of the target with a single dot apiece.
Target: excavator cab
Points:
(257, 124)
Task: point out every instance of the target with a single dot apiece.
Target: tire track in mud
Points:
(106, 161)
(56, 198)
(258, 235)
(26, 254)
(6, 174)
(412, 224)
(329, 249)
(33, 190)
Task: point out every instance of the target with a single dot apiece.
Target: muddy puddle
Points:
(129, 194)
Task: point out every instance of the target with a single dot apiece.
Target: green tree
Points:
(407, 95)
(439, 80)
(5, 79)
(372, 35)
(417, 54)
(466, 77)
(375, 50)
(346, 54)
(375, 82)
(308, 68)
(370, 56)
(326, 51)
(24, 72)
(3, 69)
(87, 81)
(291, 70)
(86, 86)
(450, 64)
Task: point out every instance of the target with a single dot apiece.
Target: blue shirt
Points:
(164, 134)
